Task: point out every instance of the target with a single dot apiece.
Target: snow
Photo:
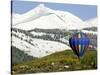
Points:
(64, 40)
(44, 22)
(44, 17)
(15, 15)
(92, 22)
(70, 20)
(89, 32)
(38, 33)
(41, 47)
(39, 11)
(66, 66)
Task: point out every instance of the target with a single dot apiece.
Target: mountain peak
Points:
(41, 5)
(42, 8)
(44, 17)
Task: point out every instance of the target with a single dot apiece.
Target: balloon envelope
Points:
(79, 43)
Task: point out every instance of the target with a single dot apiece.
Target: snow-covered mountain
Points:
(41, 47)
(91, 26)
(46, 18)
(43, 31)
(32, 14)
(36, 47)
(92, 22)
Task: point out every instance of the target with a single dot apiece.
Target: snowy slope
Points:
(89, 32)
(37, 47)
(92, 22)
(41, 47)
(39, 11)
(44, 17)
(44, 22)
(15, 16)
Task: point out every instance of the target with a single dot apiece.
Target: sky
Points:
(85, 12)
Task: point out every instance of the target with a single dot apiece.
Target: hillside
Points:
(19, 56)
(60, 61)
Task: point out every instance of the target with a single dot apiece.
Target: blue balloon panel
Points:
(79, 43)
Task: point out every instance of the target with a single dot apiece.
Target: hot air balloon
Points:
(79, 43)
